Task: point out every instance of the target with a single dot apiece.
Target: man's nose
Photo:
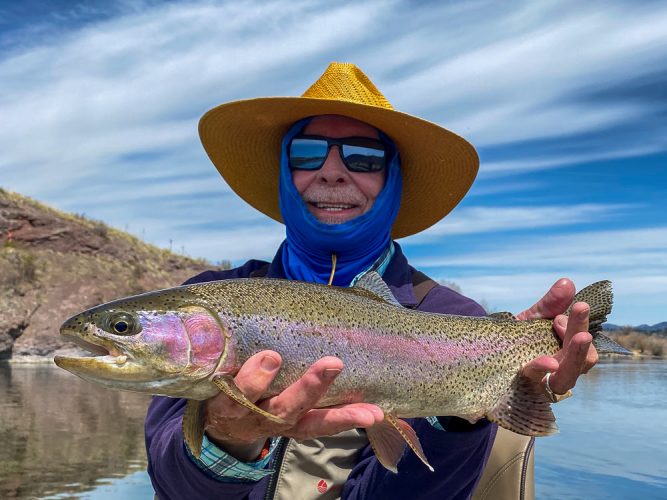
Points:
(333, 170)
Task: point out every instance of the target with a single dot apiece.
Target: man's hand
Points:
(242, 432)
(577, 355)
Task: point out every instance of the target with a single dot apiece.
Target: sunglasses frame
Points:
(368, 142)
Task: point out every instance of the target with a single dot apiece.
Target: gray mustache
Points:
(348, 195)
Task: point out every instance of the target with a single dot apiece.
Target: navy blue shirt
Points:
(458, 457)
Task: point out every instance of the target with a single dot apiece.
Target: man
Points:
(346, 174)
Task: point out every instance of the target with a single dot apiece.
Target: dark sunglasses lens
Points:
(307, 154)
(363, 159)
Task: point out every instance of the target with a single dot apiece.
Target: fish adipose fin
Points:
(389, 438)
(373, 282)
(524, 409)
(226, 384)
(600, 298)
(193, 428)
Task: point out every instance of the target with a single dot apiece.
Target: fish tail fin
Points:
(524, 409)
(600, 298)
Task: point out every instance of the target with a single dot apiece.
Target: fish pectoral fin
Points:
(226, 384)
(524, 409)
(193, 426)
(389, 438)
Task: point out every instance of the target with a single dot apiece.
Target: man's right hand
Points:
(242, 432)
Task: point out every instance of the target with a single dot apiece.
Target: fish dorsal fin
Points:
(504, 315)
(373, 282)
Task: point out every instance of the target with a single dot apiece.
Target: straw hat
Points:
(242, 139)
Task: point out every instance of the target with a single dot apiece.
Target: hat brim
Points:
(243, 138)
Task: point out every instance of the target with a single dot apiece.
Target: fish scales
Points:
(408, 362)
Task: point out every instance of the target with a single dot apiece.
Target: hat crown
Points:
(346, 82)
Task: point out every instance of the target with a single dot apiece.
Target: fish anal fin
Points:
(193, 426)
(389, 439)
(503, 315)
(226, 384)
(524, 409)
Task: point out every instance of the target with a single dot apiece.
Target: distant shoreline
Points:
(649, 345)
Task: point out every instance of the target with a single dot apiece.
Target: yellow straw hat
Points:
(242, 139)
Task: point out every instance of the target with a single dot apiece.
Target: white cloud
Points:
(641, 251)
(513, 274)
(499, 168)
(102, 119)
(139, 82)
(475, 220)
(523, 81)
(633, 250)
(238, 245)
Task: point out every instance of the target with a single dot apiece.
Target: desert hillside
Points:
(53, 265)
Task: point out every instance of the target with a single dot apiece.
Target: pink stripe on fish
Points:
(418, 348)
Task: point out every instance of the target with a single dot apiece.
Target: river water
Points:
(61, 437)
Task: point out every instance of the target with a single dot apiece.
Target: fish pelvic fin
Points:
(226, 384)
(193, 426)
(524, 409)
(600, 298)
(389, 439)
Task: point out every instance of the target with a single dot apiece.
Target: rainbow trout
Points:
(190, 341)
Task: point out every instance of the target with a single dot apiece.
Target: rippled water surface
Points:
(62, 437)
(65, 438)
(613, 439)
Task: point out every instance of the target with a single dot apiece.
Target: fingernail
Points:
(331, 373)
(562, 321)
(583, 314)
(269, 363)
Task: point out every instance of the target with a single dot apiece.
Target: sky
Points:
(565, 102)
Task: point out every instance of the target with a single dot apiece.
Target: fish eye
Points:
(123, 324)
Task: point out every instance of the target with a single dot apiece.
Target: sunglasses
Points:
(359, 154)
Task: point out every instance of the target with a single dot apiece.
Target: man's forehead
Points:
(340, 126)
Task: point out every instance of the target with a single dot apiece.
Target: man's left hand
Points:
(577, 354)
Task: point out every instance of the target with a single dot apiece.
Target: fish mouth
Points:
(87, 339)
(92, 349)
(104, 361)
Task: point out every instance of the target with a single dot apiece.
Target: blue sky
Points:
(566, 103)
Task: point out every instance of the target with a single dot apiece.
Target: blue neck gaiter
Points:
(357, 243)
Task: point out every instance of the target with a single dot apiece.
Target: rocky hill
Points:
(53, 265)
